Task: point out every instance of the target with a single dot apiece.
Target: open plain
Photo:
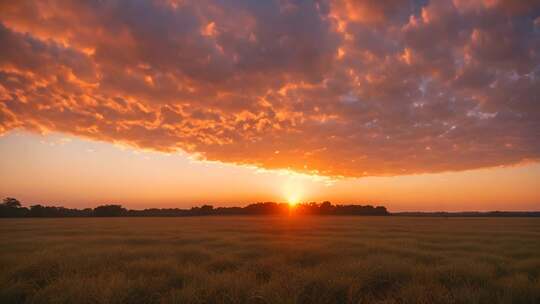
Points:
(295, 259)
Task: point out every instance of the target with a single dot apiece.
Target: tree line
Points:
(11, 207)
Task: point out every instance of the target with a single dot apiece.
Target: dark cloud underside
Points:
(351, 88)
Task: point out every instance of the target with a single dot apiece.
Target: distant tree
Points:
(37, 211)
(109, 210)
(11, 202)
(11, 207)
(381, 210)
(207, 209)
(203, 210)
(265, 208)
(326, 207)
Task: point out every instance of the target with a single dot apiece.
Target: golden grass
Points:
(270, 260)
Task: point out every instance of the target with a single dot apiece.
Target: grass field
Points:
(270, 260)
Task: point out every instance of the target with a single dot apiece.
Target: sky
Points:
(415, 105)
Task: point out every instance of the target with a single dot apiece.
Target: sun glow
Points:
(293, 192)
(293, 200)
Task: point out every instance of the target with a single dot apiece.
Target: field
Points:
(270, 260)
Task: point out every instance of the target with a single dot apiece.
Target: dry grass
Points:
(270, 260)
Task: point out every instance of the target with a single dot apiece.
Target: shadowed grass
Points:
(270, 260)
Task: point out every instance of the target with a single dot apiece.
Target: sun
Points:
(293, 200)
(293, 192)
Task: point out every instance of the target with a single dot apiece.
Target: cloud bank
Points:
(337, 88)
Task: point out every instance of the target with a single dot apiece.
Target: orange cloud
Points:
(348, 88)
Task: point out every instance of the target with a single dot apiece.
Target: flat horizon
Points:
(244, 204)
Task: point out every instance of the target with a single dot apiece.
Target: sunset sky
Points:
(415, 105)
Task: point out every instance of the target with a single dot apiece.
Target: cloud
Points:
(349, 88)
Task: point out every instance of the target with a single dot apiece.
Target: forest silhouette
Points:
(11, 207)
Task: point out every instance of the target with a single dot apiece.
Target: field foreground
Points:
(270, 260)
